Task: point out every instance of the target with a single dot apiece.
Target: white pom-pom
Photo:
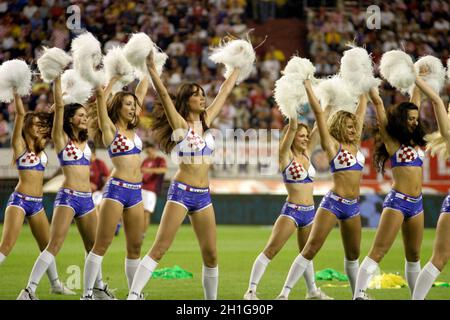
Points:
(336, 93)
(290, 94)
(448, 69)
(357, 70)
(136, 51)
(74, 88)
(235, 54)
(397, 68)
(117, 65)
(14, 74)
(300, 66)
(436, 76)
(87, 58)
(52, 63)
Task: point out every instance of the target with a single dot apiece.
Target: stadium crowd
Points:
(186, 29)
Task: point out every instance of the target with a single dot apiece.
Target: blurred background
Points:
(186, 29)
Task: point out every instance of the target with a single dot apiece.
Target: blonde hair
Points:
(437, 144)
(300, 126)
(336, 125)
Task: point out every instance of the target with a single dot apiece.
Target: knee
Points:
(134, 249)
(439, 260)
(54, 246)
(311, 248)
(271, 251)
(413, 256)
(100, 247)
(158, 251)
(209, 257)
(352, 255)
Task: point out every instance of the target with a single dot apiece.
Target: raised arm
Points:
(141, 90)
(326, 141)
(415, 97)
(107, 127)
(58, 136)
(176, 121)
(17, 142)
(110, 85)
(214, 109)
(438, 105)
(286, 143)
(361, 113)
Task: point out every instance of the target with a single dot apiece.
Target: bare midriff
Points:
(407, 180)
(346, 184)
(127, 168)
(30, 182)
(300, 193)
(77, 178)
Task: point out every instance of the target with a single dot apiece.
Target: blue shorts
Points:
(302, 215)
(407, 205)
(29, 205)
(193, 199)
(446, 205)
(342, 208)
(80, 202)
(126, 193)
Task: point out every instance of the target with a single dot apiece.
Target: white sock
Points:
(412, 270)
(258, 269)
(92, 266)
(52, 274)
(210, 281)
(40, 266)
(425, 281)
(99, 280)
(297, 269)
(365, 273)
(310, 278)
(131, 266)
(351, 269)
(2, 258)
(141, 277)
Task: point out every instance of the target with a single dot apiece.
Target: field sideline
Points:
(237, 245)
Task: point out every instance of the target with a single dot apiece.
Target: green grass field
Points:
(237, 245)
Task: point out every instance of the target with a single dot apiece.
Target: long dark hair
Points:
(160, 125)
(69, 112)
(45, 123)
(397, 117)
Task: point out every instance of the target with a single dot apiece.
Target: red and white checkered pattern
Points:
(29, 159)
(195, 142)
(344, 159)
(121, 144)
(296, 171)
(72, 152)
(406, 154)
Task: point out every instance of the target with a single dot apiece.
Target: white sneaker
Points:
(27, 294)
(364, 296)
(280, 297)
(60, 288)
(88, 297)
(250, 295)
(318, 295)
(104, 294)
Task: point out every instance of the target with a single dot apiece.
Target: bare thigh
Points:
(324, 222)
(62, 218)
(133, 225)
(302, 236)
(283, 228)
(390, 223)
(441, 250)
(412, 231)
(351, 237)
(204, 224)
(87, 226)
(12, 226)
(40, 228)
(108, 218)
(172, 217)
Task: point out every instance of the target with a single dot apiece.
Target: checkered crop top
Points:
(71, 155)
(123, 146)
(296, 173)
(345, 160)
(31, 161)
(407, 156)
(195, 145)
